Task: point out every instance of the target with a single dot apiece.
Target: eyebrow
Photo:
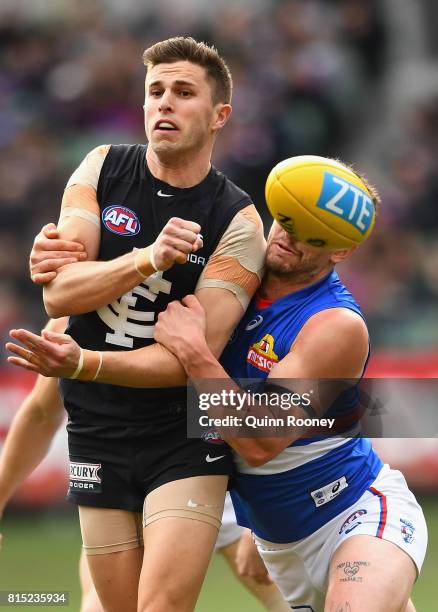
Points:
(177, 82)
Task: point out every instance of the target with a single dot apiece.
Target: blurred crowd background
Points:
(354, 79)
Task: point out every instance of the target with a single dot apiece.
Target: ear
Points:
(341, 254)
(222, 113)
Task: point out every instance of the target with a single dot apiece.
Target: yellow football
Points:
(320, 201)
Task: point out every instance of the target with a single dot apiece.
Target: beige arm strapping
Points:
(88, 171)
(237, 262)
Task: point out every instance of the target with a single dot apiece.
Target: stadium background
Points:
(355, 79)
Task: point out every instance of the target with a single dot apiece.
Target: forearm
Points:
(86, 286)
(149, 367)
(54, 354)
(204, 370)
(154, 366)
(26, 445)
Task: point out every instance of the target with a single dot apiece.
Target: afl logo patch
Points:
(120, 220)
(212, 437)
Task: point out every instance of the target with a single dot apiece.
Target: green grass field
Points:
(41, 553)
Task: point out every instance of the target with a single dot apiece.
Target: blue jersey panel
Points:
(289, 506)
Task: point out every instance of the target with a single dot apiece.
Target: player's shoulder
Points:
(99, 152)
(102, 149)
(88, 172)
(127, 152)
(118, 150)
(333, 343)
(341, 323)
(332, 333)
(127, 148)
(229, 190)
(126, 162)
(234, 210)
(248, 217)
(245, 231)
(244, 213)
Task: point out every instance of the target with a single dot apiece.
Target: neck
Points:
(275, 286)
(182, 171)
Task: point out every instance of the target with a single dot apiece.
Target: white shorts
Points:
(387, 510)
(230, 531)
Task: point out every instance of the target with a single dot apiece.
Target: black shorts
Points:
(119, 473)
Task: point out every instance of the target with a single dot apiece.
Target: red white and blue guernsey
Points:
(315, 482)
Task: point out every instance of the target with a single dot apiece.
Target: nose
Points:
(165, 101)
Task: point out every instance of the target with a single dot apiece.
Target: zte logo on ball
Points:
(345, 200)
(120, 220)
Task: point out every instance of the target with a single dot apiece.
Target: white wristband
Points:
(100, 366)
(139, 271)
(80, 366)
(151, 258)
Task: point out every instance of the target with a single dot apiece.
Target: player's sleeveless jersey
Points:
(135, 207)
(314, 479)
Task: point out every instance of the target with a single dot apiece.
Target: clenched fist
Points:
(177, 239)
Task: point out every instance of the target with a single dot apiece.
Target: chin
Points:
(283, 265)
(280, 270)
(165, 146)
(276, 266)
(276, 260)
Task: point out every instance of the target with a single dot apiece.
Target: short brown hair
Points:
(185, 48)
(372, 190)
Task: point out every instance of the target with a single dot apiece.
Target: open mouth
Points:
(164, 125)
(284, 248)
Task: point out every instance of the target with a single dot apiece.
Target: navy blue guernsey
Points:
(127, 191)
(315, 478)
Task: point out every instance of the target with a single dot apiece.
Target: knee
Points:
(162, 601)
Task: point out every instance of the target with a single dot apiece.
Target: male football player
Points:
(156, 222)
(337, 529)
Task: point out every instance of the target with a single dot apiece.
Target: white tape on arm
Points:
(145, 257)
(80, 366)
(99, 366)
(82, 213)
